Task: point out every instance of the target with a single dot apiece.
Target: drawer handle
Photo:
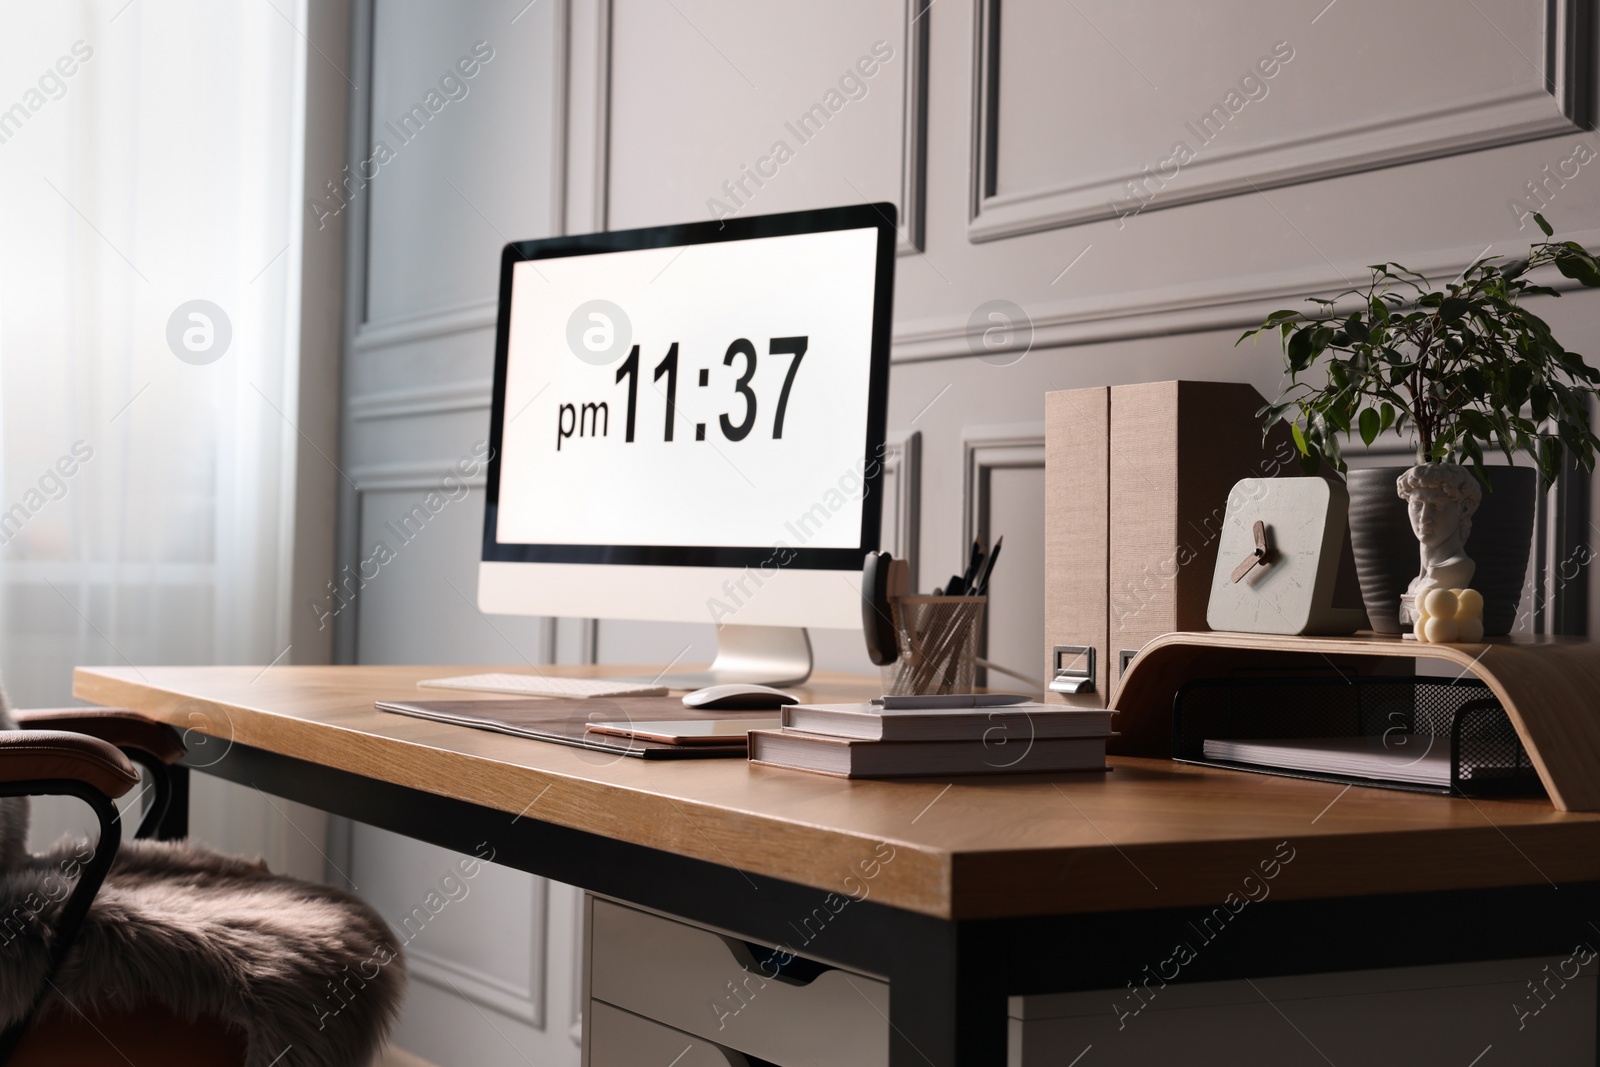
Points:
(769, 963)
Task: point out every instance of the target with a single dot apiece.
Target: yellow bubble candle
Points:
(1446, 615)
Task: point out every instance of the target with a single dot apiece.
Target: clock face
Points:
(1274, 595)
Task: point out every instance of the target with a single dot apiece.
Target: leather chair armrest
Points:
(41, 755)
(116, 726)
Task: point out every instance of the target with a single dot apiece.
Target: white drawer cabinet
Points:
(712, 986)
(657, 982)
(1447, 1016)
(619, 1038)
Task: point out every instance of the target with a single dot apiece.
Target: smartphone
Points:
(689, 731)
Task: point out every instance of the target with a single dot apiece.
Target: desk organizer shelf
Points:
(1548, 686)
(1406, 715)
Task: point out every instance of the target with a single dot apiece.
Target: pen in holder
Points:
(938, 645)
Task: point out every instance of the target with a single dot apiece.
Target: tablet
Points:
(688, 731)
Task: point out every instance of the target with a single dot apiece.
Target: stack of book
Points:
(917, 737)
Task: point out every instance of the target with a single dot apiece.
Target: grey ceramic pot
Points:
(1386, 549)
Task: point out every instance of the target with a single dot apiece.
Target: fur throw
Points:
(309, 974)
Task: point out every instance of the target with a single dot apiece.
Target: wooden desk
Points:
(996, 886)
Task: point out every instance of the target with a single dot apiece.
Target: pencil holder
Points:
(938, 639)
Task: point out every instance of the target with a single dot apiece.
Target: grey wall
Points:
(1385, 132)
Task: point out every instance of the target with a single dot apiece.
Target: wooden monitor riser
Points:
(1549, 686)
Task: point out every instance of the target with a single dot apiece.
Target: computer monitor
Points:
(688, 426)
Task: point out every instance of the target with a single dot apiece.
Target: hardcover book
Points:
(869, 722)
(850, 758)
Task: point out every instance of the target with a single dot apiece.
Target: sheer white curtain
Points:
(149, 157)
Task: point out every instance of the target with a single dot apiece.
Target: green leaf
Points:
(1299, 351)
(1549, 460)
(1371, 426)
(1580, 269)
(1299, 438)
(1543, 225)
(1385, 416)
(1337, 419)
(1518, 386)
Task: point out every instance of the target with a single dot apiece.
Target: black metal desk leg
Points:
(947, 1007)
(174, 825)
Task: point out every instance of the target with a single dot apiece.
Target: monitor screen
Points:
(693, 395)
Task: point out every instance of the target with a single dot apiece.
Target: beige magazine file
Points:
(1136, 489)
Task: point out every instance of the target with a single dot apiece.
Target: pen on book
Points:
(933, 702)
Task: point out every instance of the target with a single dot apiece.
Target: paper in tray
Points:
(1416, 759)
(1422, 733)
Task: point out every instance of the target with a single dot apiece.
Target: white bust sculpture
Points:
(1441, 498)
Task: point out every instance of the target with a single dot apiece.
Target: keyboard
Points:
(536, 685)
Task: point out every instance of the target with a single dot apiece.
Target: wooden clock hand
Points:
(1256, 557)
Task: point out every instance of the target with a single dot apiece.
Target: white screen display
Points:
(736, 315)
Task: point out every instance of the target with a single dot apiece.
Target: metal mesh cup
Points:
(938, 638)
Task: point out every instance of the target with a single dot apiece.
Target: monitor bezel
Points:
(880, 217)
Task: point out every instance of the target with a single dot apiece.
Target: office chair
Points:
(154, 747)
(164, 953)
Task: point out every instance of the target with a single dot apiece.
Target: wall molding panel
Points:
(902, 495)
(462, 319)
(985, 449)
(441, 399)
(1191, 308)
(914, 154)
(1197, 307)
(418, 475)
(524, 1001)
(1564, 104)
(579, 953)
(370, 334)
(914, 124)
(600, 118)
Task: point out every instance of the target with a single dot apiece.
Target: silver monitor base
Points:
(759, 655)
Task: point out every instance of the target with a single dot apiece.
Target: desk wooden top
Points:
(1150, 834)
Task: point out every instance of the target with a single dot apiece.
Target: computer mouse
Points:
(738, 697)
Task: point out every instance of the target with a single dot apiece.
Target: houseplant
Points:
(1465, 370)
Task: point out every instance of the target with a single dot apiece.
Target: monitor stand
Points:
(762, 655)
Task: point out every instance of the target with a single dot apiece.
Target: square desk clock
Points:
(1278, 559)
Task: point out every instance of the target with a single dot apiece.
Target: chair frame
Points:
(168, 779)
(90, 879)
